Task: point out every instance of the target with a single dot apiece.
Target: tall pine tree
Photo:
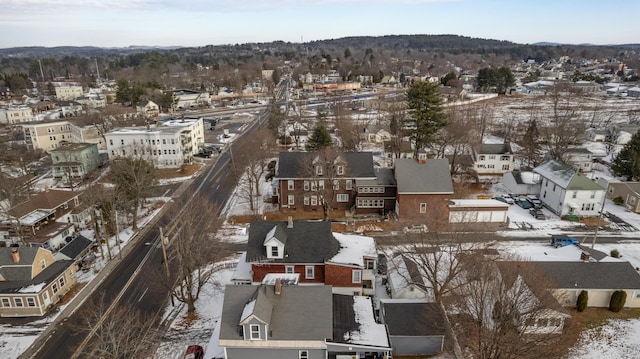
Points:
(320, 138)
(627, 162)
(426, 113)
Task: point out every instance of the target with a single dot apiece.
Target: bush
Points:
(618, 299)
(618, 200)
(583, 299)
(615, 253)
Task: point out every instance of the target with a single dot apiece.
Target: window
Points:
(593, 194)
(303, 354)
(319, 170)
(164, 141)
(492, 157)
(6, 303)
(348, 185)
(554, 188)
(290, 185)
(291, 200)
(321, 185)
(505, 158)
(575, 194)
(481, 158)
(546, 182)
(306, 200)
(309, 272)
(254, 331)
(18, 302)
(423, 208)
(31, 302)
(43, 264)
(356, 276)
(314, 200)
(342, 197)
(122, 142)
(173, 141)
(505, 167)
(544, 195)
(340, 170)
(336, 185)
(55, 287)
(306, 185)
(274, 252)
(289, 269)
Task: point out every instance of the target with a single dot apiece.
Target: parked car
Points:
(507, 200)
(537, 213)
(524, 203)
(561, 240)
(537, 203)
(194, 352)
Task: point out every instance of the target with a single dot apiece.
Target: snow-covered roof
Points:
(33, 288)
(477, 203)
(285, 278)
(243, 269)
(353, 249)
(248, 309)
(528, 177)
(369, 332)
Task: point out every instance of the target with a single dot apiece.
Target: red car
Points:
(194, 352)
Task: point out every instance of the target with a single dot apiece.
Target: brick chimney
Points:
(15, 255)
(290, 222)
(278, 287)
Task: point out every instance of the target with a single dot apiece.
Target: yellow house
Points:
(32, 280)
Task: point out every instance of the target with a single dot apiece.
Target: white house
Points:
(405, 281)
(493, 159)
(13, 115)
(566, 191)
(168, 144)
(579, 157)
(66, 93)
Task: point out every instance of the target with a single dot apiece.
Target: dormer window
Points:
(274, 251)
(340, 170)
(319, 170)
(254, 331)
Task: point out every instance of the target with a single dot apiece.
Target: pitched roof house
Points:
(493, 159)
(309, 249)
(424, 188)
(306, 180)
(566, 191)
(283, 321)
(628, 191)
(31, 280)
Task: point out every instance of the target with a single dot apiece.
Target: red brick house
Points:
(312, 252)
(424, 189)
(341, 180)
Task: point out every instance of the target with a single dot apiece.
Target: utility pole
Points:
(163, 242)
(595, 233)
(118, 236)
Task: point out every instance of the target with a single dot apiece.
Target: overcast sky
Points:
(213, 22)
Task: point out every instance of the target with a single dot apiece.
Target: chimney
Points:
(15, 255)
(289, 222)
(278, 287)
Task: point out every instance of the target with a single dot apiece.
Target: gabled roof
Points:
(306, 242)
(297, 313)
(22, 270)
(76, 247)
(566, 177)
(432, 177)
(592, 275)
(525, 177)
(413, 318)
(493, 148)
(45, 277)
(298, 164)
(278, 233)
(578, 150)
(49, 199)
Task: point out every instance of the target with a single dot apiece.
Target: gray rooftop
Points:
(298, 313)
(493, 148)
(298, 164)
(430, 177)
(22, 270)
(566, 177)
(46, 276)
(413, 318)
(77, 247)
(306, 242)
(592, 275)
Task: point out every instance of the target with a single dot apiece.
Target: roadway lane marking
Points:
(143, 293)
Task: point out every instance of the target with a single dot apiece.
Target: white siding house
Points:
(565, 191)
(493, 159)
(168, 144)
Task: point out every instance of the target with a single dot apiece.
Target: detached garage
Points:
(477, 211)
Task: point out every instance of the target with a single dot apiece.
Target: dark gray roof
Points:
(298, 313)
(385, 177)
(578, 150)
(413, 318)
(22, 271)
(306, 242)
(297, 164)
(46, 276)
(494, 148)
(344, 321)
(77, 247)
(592, 275)
(430, 177)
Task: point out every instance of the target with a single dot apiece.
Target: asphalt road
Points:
(140, 266)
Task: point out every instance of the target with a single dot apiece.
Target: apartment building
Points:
(66, 93)
(14, 115)
(168, 143)
(48, 136)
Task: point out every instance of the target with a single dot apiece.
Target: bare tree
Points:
(504, 310)
(348, 131)
(117, 332)
(134, 178)
(322, 181)
(565, 127)
(455, 139)
(193, 246)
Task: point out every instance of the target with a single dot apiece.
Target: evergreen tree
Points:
(583, 301)
(627, 162)
(495, 79)
(320, 138)
(426, 113)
